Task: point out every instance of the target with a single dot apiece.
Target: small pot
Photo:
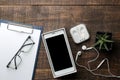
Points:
(108, 44)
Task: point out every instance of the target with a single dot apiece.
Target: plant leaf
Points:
(106, 47)
(97, 43)
(101, 43)
(106, 36)
(98, 36)
(110, 41)
(102, 40)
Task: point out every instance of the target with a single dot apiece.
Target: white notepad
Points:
(10, 42)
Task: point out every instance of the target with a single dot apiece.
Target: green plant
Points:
(102, 41)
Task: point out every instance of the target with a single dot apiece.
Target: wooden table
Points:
(98, 15)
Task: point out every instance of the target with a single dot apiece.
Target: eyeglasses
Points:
(17, 59)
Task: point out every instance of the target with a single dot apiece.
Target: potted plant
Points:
(103, 41)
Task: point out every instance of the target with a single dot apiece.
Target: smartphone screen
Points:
(59, 53)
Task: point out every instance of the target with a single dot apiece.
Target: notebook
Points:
(10, 42)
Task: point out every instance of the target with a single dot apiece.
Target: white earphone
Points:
(79, 33)
(88, 68)
(85, 48)
(78, 54)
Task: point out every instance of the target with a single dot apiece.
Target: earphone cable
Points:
(91, 70)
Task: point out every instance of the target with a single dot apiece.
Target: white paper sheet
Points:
(10, 42)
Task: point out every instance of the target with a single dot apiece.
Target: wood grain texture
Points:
(102, 18)
(98, 15)
(60, 2)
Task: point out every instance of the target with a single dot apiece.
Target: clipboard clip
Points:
(20, 28)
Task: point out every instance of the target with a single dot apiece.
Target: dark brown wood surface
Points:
(60, 2)
(98, 15)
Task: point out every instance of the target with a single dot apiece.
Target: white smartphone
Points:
(59, 52)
